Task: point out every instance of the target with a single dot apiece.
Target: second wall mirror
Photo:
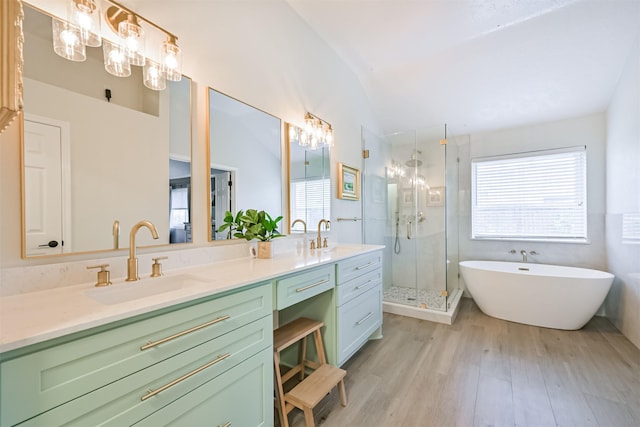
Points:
(245, 163)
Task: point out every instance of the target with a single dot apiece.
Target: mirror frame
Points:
(11, 40)
(21, 118)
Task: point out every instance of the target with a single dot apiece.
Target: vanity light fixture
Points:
(316, 133)
(82, 29)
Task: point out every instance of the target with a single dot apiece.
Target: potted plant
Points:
(253, 224)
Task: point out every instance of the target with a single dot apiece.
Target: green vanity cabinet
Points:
(358, 302)
(351, 310)
(100, 379)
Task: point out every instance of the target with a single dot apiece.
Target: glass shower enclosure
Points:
(410, 183)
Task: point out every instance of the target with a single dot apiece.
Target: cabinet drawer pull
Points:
(152, 393)
(362, 267)
(313, 285)
(226, 425)
(188, 331)
(364, 284)
(361, 321)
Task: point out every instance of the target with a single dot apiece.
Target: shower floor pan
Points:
(422, 304)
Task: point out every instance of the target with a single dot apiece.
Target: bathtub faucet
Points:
(524, 255)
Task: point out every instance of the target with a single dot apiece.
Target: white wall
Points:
(623, 198)
(589, 131)
(263, 54)
(122, 178)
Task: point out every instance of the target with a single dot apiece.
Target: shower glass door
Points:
(415, 224)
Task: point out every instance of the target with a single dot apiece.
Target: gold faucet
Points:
(303, 223)
(132, 262)
(326, 227)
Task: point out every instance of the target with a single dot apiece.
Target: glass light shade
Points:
(132, 36)
(66, 41)
(116, 61)
(319, 129)
(85, 14)
(171, 60)
(153, 76)
(328, 136)
(293, 133)
(309, 124)
(304, 138)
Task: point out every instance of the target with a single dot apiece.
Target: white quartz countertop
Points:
(35, 317)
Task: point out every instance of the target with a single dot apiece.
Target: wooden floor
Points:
(488, 372)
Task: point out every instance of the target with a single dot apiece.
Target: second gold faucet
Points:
(132, 262)
(319, 243)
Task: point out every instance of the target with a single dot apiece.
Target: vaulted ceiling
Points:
(479, 64)
(473, 64)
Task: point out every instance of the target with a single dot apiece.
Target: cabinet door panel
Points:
(240, 397)
(120, 403)
(357, 320)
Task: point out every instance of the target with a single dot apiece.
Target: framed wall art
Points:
(348, 182)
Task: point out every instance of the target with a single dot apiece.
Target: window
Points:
(179, 211)
(311, 199)
(532, 196)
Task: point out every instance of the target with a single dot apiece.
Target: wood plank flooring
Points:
(487, 372)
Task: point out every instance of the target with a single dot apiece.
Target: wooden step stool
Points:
(312, 389)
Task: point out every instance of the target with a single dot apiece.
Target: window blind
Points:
(310, 200)
(533, 196)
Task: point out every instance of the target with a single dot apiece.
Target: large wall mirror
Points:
(245, 163)
(94, 164)
(309, 184)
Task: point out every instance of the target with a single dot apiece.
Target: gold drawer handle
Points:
(322, 282)
(226, 425)
(188, 331)
(364, 284)
(362, 267)
(152, 393)
(361, 321)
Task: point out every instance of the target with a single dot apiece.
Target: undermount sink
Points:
(127, 291)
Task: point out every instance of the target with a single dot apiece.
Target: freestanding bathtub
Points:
(536, 294)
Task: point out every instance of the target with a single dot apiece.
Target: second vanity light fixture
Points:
(316, 133)
(82, 28)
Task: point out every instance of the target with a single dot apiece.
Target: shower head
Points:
(414, 161)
